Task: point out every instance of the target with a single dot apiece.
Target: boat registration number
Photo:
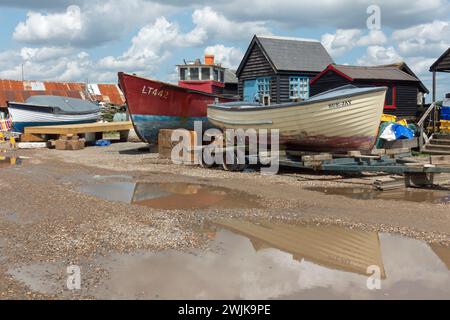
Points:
(340, 104)
(164, 94)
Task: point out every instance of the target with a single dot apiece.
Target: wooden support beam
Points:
(81, 128)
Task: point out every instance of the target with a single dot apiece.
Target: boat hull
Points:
(329, 125)
(25, 117)
(155, 105)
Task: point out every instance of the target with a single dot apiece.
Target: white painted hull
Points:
(313, 125)
(22, 118)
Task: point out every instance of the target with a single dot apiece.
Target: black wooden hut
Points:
(405, 91)
(280, 68)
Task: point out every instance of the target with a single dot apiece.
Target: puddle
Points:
(9, 161)
(269, 261)
(171, 195)
(274, 260)
(410, 194)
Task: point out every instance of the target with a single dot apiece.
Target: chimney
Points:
(209, 59)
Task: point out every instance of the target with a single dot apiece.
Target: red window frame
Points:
(393, 106)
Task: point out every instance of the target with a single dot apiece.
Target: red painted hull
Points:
(150, 97)
(155, 105)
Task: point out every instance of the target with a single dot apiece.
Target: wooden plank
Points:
(29, 137)
(81, 128)
(322, 156)
(440, 160)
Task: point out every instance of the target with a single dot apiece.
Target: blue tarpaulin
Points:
(402, 132)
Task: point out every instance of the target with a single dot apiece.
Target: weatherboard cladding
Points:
(280, 59)
(19, 91)
(256, 66)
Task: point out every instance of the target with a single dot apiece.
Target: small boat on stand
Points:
(339, 120)
(51, 110)
(155, 105)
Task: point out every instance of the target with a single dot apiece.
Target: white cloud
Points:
(373, 38)
(229, 57)
(344, 40)
(341, 41)
(342, 14)
(156, 42)
(88, 24)
(377, 55)
(57, 27)
(216, 25)
(424, 39)
(43, 54)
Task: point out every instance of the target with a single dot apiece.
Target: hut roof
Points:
(291, 54)
(391, 72)
(442, 64)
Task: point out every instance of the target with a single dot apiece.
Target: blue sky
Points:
(75, 40)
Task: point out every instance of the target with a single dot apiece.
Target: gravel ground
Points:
(45, 220)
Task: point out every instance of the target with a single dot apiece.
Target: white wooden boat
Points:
(51, 110)
(339, 120)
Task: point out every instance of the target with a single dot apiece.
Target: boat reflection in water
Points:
(329, 246)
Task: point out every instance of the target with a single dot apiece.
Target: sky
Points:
(91, 40)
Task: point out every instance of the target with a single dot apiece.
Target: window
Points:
(194, 74)
(391, 95)
(298, 88)
(263, 85)
(183, 72)
(221, 77)
(206, 73)
(216, 75)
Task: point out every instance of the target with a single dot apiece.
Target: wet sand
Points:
(119, 210)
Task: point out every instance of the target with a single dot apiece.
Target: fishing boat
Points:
(340, 120)
(155, 105)
(51, 110)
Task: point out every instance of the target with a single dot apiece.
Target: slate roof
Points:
(291, 54)
(375, 73)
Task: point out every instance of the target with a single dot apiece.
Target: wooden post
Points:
(434, 100)
(434, 86)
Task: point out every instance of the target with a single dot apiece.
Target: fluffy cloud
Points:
(341, 41)
(344, 40)
(426, 39)
(373, 38)
(343, 14)
(88, 24)
(229, 57)
(376, 55)
(57, 27)
(216, 25)
(155, 42)
(149, 47)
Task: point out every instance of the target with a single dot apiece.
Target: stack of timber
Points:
(69, 142)
(166, 145)
(45, 133)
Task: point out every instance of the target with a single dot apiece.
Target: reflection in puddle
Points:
(411, 194)
(273, 260)
(9, 161)
(171, 195)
